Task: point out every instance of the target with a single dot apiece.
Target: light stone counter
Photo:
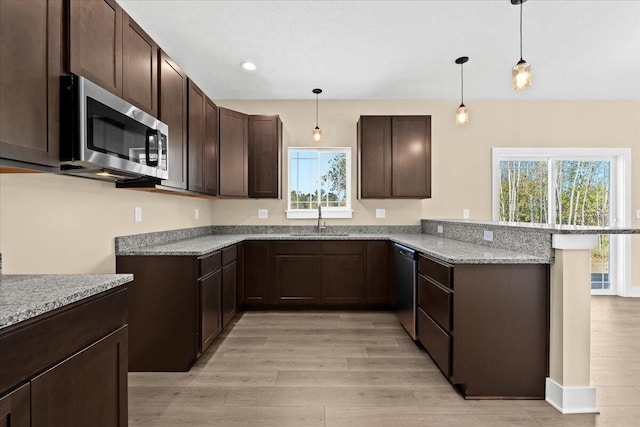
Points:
(448, 250)
(23, 297)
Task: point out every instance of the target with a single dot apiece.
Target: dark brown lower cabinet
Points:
(314, 273)
(256, 274)
(343, 273)
(486, 326)
(15, 407)
(67, 367)
(229, 278)
(378, 274)
(88, 388)
(210, 315)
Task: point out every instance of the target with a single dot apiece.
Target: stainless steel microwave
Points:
(105, 137)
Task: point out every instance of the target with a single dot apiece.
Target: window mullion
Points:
(551, 191)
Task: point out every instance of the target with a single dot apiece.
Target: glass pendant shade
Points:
(462, 115)
(317, 135)
(521, 75)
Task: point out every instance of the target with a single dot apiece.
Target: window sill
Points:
(313, 214)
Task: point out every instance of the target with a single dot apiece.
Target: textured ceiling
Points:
(399, 49)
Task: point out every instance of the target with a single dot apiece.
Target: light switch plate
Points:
(638, 214)
(137, 214)
(263, 213)
(440, 229)
(488, 236)
(196, 213)
(465, 213)
(381, 213)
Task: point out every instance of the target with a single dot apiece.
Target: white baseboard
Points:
(571, 400)
(631, 291)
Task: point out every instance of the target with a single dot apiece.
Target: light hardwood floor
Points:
(361, 369)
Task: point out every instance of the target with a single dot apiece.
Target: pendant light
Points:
(521, 72)
(317, 133)
(462, 113)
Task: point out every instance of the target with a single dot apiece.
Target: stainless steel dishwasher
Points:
(404, 287)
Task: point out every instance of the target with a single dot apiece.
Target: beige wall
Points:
(41, 213)
(60, 224)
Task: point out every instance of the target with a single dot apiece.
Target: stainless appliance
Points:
(405, 287)
(105, 137)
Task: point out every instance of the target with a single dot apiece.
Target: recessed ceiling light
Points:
(248, 65)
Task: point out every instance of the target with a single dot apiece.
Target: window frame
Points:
(327, 212)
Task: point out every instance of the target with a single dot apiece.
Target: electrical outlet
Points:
(137, 214)
(196, 213)
(440, 229)
(488, 236)
(381, 213)
(465, 213)
(263, 213)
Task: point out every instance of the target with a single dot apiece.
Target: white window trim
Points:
(330, 213)
(621, 213)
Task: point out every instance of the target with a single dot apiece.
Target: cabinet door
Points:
(196, 137)
(95, 42)
(342, 279)
(30, 68)
(15, 408)
(256, 273)
(378, 277)
(210, 148)
(210, 302)
(297, 279)
(265, 141)
(173, 111)
(240, 278)
(229, 277)
(234, 140)
(88, 388)
(374, 150)
(140, 67)
(411, 156)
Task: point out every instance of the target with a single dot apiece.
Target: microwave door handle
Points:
(161, 147)
(148, 148)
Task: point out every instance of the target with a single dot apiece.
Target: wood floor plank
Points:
(322, 396)
(412, 364)
(411, 380)
(306, 352)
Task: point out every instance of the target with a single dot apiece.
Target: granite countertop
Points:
(448, 250)
(25, 296)
(544, 228)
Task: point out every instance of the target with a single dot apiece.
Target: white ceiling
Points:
(399, 49)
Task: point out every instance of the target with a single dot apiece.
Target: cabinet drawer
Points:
(436, 341)
(342, 247)
(437, 270)
(229, 254)
(210, 263)
(436, 301)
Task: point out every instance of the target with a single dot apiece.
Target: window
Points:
(575, 186)
(319, 176)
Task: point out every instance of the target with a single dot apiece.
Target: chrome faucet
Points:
(320, 227)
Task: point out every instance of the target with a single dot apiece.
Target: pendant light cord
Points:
(461, 84)
(316, 110)
(521, 31)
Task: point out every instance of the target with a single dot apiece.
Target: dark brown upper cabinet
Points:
(173, 112)
(265, 165)
(234, 147)
(95, 42)
(30, 69)
(210, 147)
(202, 137)
(394, 157)
(107, 47)
(140, 67)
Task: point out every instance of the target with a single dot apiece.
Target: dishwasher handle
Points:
(409, 253)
